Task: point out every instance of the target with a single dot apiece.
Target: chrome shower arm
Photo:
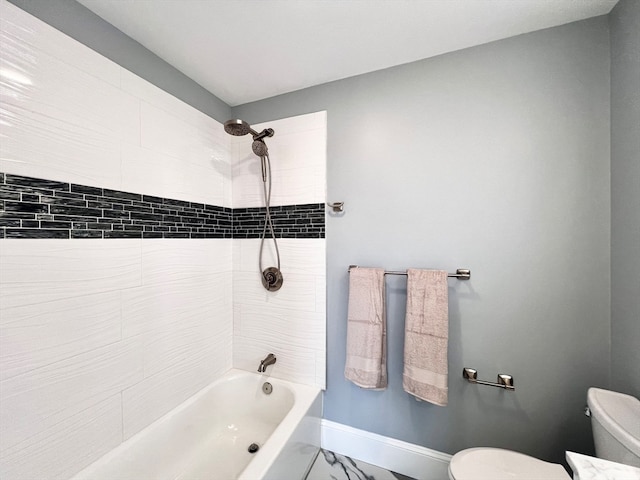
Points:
(267, 132)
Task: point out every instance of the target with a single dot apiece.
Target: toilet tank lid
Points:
(619, 414)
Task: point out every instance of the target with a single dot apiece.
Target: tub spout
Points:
(270, 360)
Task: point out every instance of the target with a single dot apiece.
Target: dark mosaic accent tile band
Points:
(39, 208)
(289, 221)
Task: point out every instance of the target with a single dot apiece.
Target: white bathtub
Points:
(207, 437)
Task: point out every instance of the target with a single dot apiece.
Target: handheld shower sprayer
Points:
(261, 150)
(271, 277)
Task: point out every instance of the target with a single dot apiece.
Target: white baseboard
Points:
(395, 455)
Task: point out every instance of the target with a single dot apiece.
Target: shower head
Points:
(238, 128)
(259, 148)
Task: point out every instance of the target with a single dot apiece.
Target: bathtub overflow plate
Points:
(267, 388)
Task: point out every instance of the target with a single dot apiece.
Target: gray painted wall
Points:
(624, 21)
(83, 25)
(494, 158)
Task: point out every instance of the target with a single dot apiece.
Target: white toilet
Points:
(615, 420)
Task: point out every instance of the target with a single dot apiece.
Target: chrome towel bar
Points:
(504, 381)
(461, 273)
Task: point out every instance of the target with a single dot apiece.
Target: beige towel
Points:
(366, 364)
(426, 336)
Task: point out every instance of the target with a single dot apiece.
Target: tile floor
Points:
(333, 466)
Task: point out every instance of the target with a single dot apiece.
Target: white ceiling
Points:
(246, 50)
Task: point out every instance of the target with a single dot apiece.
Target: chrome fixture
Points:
(239, 128)
(269, 360)
(271, 277)
(461, 273)
(337, 207)
(267, 388)
(504, 381)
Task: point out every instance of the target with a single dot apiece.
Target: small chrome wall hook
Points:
(336, 206)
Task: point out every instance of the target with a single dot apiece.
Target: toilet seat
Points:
(499, 464)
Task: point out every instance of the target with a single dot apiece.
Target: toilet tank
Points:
(615, 421)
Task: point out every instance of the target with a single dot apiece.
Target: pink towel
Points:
(366, 363)
(425, 373)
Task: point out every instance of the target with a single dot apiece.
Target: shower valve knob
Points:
(272, 279)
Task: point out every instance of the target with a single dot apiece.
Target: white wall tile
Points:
(62, 123)
(290, 322)
(196, 158)
(167, 133)
(37, 271)
(297, 256)
(198, 145)
(302, 178)
(300, 329)
(35, 335)
(185, 307)
(321, 367)
(298, 164)
(41, 398)
(65, 448)
(321, 293)
(156, 395)
(26, 33)
(297, 172)
(75, 123)
(297, 338)
(35, 145)
(237, 319)
(172, 259)
(150, 172)
(168, 347)
(296, 365)
(190, 302)
(183, 316)
(155, 173)
(206, 184)
(149, 93)
(297, 293)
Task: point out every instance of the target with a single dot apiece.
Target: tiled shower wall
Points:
(99, 337)
(117, 282)
(292, 321)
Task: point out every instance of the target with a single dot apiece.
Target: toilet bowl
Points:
(498, 464)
